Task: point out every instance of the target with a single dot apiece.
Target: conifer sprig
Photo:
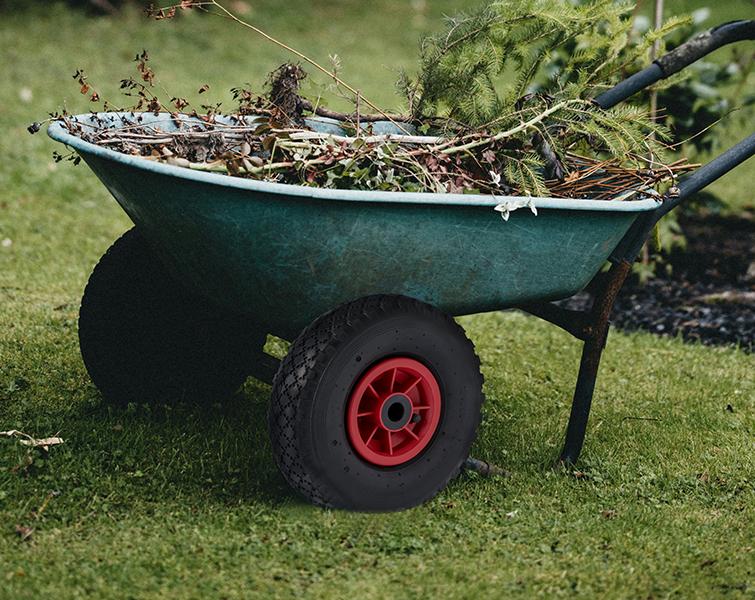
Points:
(461, 71)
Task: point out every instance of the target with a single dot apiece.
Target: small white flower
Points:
(504, 210)
(532, 207)
(495, 177)
(6, 243)
(509, 205)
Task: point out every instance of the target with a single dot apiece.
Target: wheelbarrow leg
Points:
(580, 408)
(592, 328)
(595, 334)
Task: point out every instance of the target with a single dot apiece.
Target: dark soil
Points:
(708, 295)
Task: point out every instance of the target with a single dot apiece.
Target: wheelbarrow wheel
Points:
(376, 405)
(145, 338)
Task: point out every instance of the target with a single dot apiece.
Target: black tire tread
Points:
(298, 374)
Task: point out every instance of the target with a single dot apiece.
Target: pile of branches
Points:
(255, 147)
(458, 135)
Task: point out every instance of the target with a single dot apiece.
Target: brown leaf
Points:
(154, 106)
(24, 532)
(204, 88)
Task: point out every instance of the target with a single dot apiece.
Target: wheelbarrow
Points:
(378, 401)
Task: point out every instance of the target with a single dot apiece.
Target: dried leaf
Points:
(24, 532)
(43, 443)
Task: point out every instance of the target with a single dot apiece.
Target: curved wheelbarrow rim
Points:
(58, 132)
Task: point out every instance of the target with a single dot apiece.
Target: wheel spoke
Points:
(421, 408)
(374, 391)
(393, 380)
(390, 443)
(414, 384)
(411, 433)
(372, 435)
(364, 414)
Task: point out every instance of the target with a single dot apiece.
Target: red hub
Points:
(393, 411)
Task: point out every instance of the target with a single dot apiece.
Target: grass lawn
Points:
(186, 502)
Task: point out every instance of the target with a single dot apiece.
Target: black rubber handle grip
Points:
(677, 59)
(705, 43)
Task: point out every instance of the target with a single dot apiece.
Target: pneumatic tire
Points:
(376, 405)
(144, 338)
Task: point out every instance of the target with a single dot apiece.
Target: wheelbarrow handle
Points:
(678, 59)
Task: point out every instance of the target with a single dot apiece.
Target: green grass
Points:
(186, 502)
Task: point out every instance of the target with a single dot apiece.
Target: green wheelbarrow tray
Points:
(365, 281)
(285, 254)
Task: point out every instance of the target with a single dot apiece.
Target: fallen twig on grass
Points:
(27, 440)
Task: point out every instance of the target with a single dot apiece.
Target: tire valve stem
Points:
(485, 469)
(416, 418)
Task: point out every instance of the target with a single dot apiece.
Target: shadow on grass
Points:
(208, 453)
(202, 455)
(218, 453)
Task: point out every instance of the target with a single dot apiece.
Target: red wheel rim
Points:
(393, 411)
